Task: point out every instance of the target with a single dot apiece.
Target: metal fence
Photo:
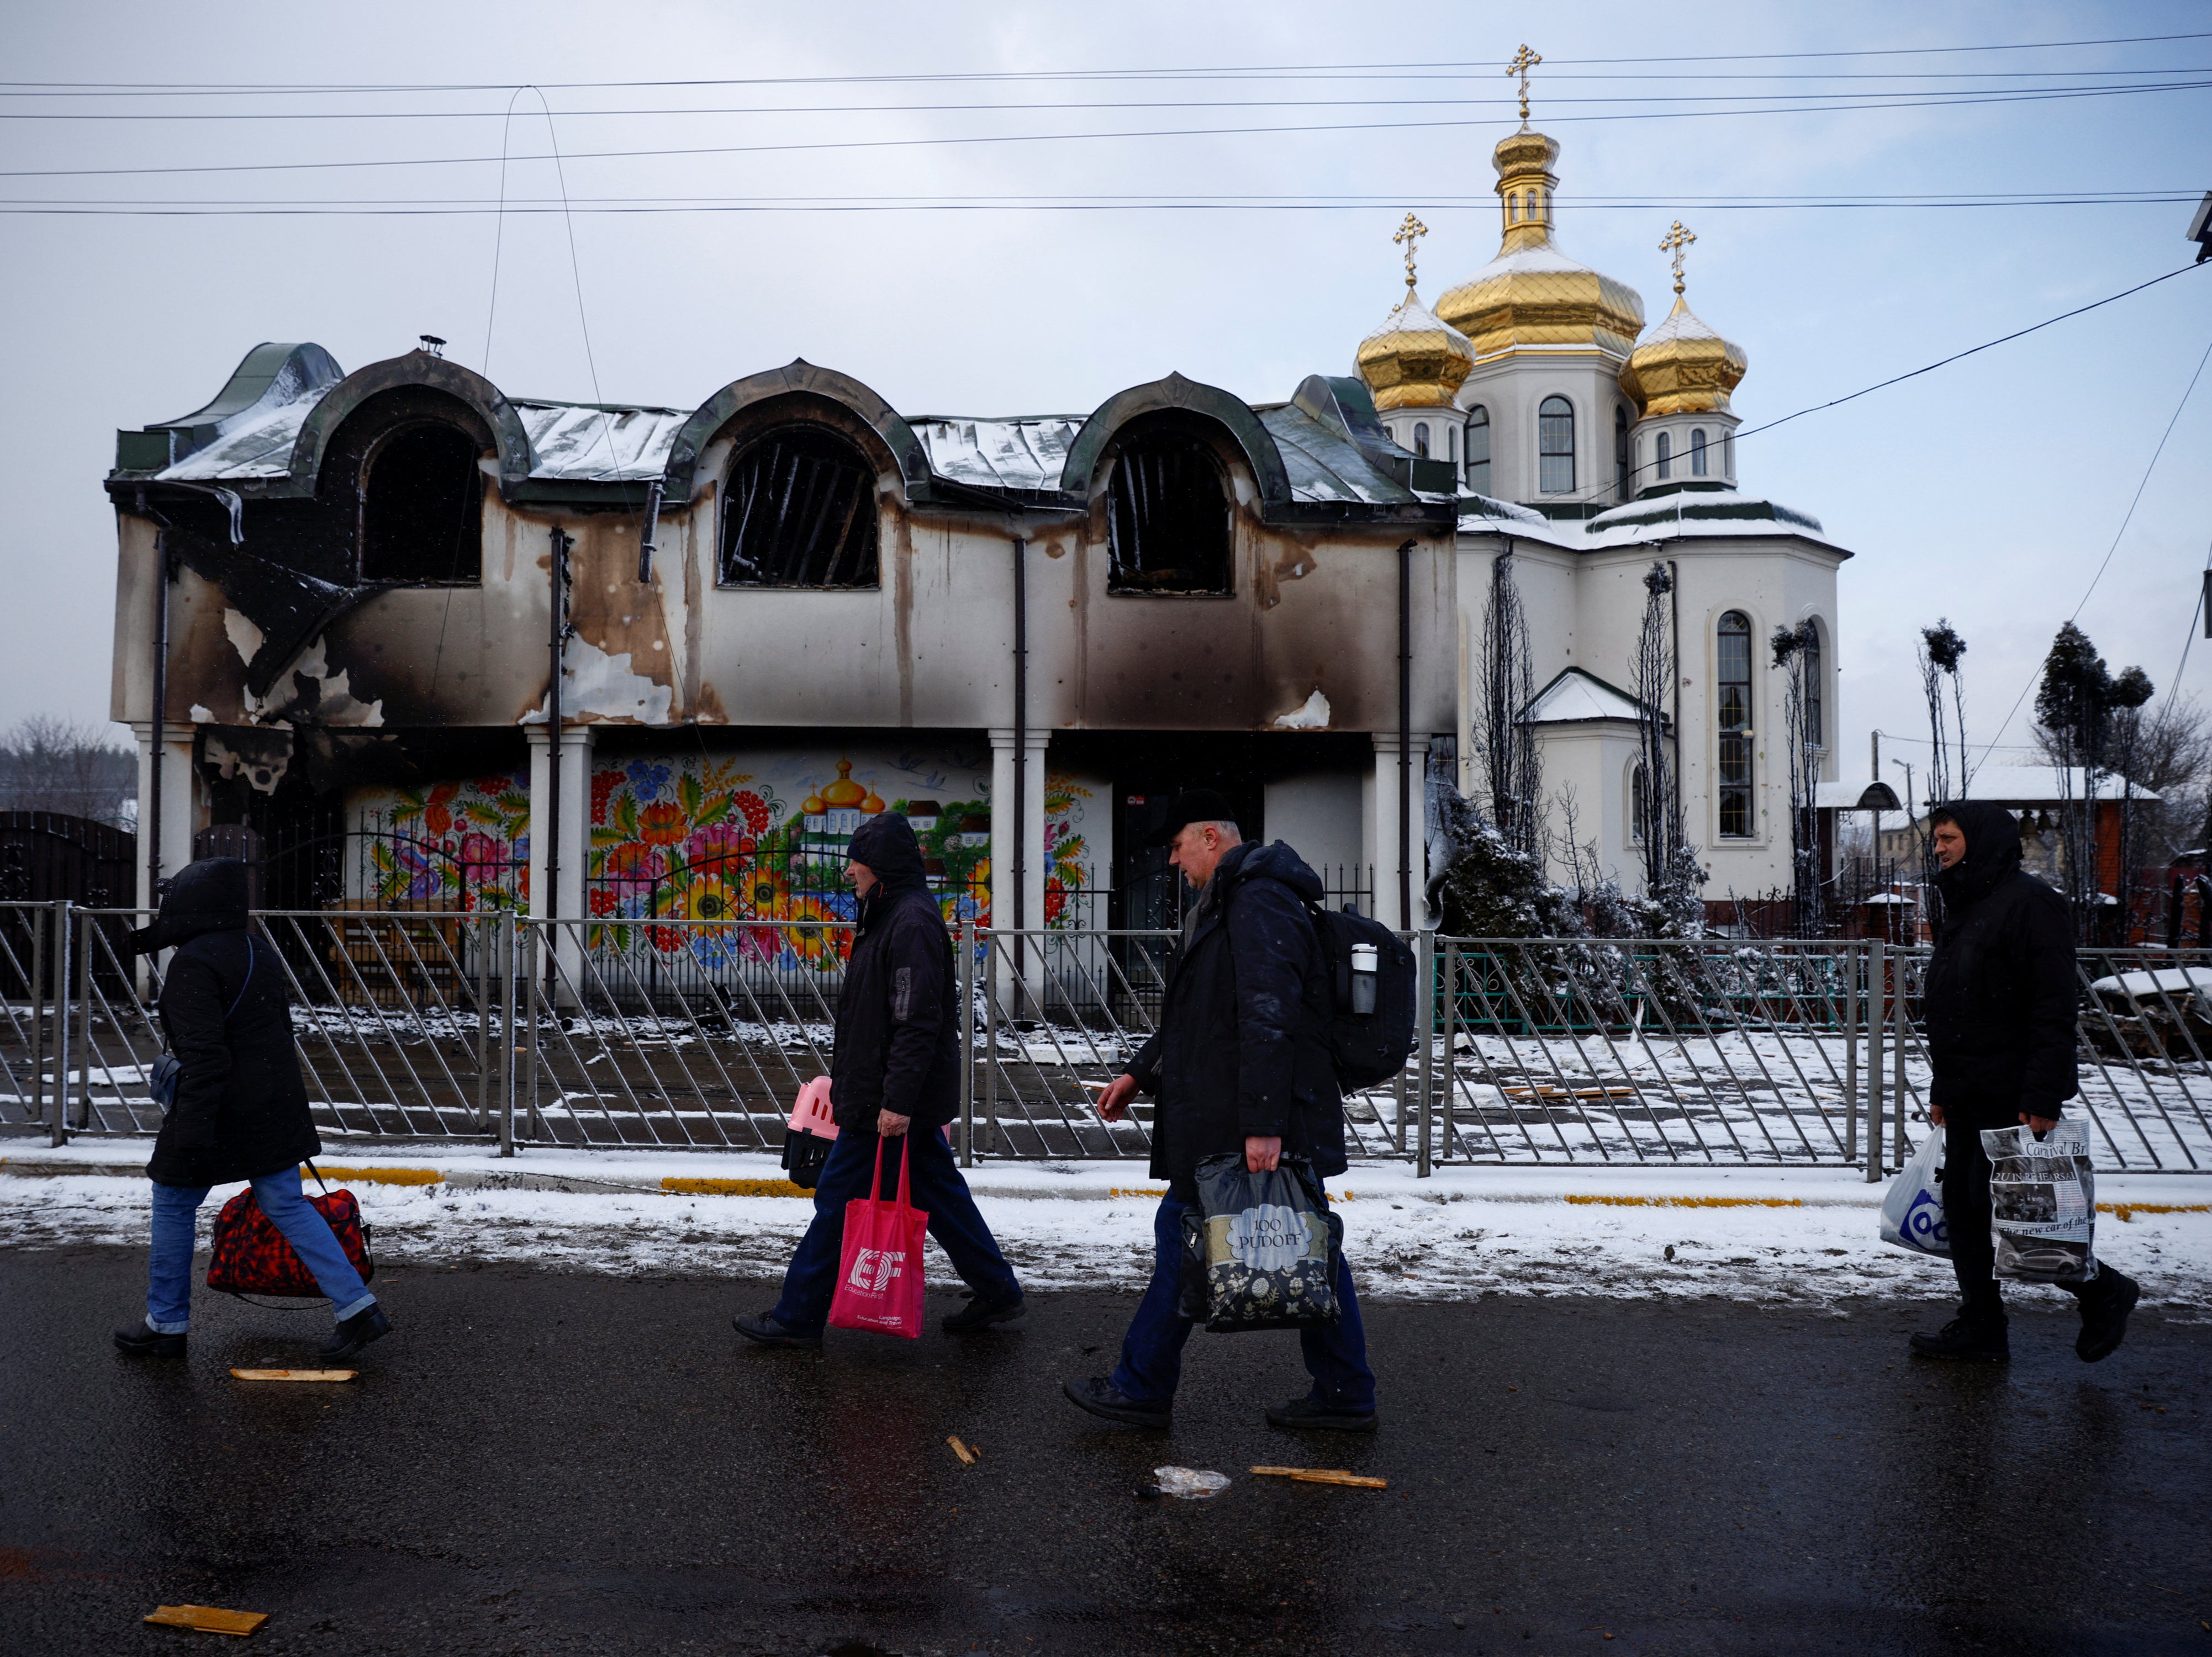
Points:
(605, 1032)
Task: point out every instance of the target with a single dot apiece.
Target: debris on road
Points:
(296, 1374)
(1324, 1476)
(208, 1619)
(969, 1457)
(1190, 1483)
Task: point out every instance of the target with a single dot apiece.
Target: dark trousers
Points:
(935, 1185)
(1152, 1353)
(1966, 1221)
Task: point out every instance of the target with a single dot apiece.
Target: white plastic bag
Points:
(1912, 1207)
(2042, 1203)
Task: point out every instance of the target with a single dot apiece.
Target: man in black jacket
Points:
(1240, 1063)
(2000, 1001)
(240, 1109)
(894, 1074)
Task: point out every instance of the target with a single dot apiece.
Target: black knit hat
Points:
(1193, 805)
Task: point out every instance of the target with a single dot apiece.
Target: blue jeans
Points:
(1152, 1353)
(934, 1185)
(169, 1278)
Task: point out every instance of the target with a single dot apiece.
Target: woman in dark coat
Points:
(240, 1110)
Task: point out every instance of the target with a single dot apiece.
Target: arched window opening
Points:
(1421, 439)
(1639, 789)
(1168, 523)
(1815, 721)
(1734, 725)
(1728, 455)
(1555, 446)
(1513, 208)
(800, 512)
(1451, 444)
(1696, 451)
(1478, 451)
(1666, 454)
(1620, 469)
(421, 508)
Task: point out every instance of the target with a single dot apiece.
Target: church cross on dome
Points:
(1523, 61)
(1410, 233)
(1676, 241)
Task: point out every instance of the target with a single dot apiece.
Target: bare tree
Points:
(1503, 740)
(1796, 651)
(51, 764)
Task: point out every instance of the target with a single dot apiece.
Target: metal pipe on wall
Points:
(559, 631)
(1021, 737)
(1405, 733)
(153, 827)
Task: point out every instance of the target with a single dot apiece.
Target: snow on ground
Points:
(1797, 1237)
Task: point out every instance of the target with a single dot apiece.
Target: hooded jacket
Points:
(2001, 994)
(1242, 1049)
(898, 1044)
(241, 1109)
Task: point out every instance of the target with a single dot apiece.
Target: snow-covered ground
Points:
(1798, 1235)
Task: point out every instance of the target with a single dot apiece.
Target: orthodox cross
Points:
(1523, 61)
(1410, 233)
(1674, 241)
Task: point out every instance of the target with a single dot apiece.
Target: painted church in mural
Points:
(341, 598)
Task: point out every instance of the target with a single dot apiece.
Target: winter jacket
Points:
(898, 1044)
(2001, 994)
(242, 1107)
(1241, 1048)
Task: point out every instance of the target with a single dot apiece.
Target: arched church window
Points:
(1168, 525)
(1555, 446)
(799, 512)
(1696, 451)
(1451, 445)
(1733, 725)
(421, 508)
(1421, 439)
(1478, 450)
(1666, 452)
(1620, 470)
(1815, 718)
(1639, 788)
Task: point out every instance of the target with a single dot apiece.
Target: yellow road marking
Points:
(732, 1188)
(378, 1175)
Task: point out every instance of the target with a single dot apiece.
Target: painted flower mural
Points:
(463, 846)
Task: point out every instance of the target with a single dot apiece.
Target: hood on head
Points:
(1275, 861)
(887, 844)
(1992, 850)
(206, 896)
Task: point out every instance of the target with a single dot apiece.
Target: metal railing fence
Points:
(415, 1025)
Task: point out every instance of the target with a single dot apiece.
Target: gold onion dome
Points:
(1532, 295)
(1684, 367)
(1414, 360)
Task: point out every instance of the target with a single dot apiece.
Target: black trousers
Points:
(1967, 1219)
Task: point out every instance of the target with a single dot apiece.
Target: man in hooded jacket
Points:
(1240, 1063)
(240, 1109)
(894, 1074)
(1999, 999)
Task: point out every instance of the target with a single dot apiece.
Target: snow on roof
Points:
(1542, 257)
(2155, 987)
(1700, 512)
(2045, 785)
(1860, 796)
(578, 442)
(1576, 696)
(1025, 451)
(260, 448)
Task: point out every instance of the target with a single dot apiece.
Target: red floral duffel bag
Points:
(249, 1255)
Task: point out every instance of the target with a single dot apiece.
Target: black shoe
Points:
(1303, 1412)
(2104, 1315)
(761, 1328)
(1979, 1343)
(144, 1343)
(1098, 1395)
(356, 1332)
(980, 1313)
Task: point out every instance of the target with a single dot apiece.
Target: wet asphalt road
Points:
(538, 1463)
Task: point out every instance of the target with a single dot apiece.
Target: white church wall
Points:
(1320, 816)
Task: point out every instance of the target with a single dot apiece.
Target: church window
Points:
(1696, 451)
(1451, 444)
(1666, 454)
(1734, 725)
(1168, 519)
(1478, 451)
(1555, 446)
(1421, 439)
(1639, 787)
(1621, 478)
(1815, 722)
(421, 508)
(800, 512)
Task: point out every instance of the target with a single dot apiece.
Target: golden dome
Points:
(843, 794)
(1684, 367)
(1532, 295)
(1413, 361)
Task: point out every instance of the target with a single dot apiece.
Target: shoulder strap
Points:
(249, 979)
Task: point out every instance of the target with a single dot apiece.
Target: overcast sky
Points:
(1988, 491)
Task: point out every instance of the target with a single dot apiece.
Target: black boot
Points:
(1098, 1396)
(356, 1332)
(1976, 1340)
(763, 1330)
(2105, 1309)
(144, 1343)
(980, 1313)
(1303, 1412)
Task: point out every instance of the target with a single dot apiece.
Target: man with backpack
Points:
(1241, 1063)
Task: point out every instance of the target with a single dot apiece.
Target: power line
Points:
(1977, 100)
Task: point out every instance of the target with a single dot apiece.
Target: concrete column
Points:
(1012, 825)
(180, 803)
(1381, 849)
(567, 904)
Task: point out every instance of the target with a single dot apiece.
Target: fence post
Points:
(1877, 990)
(484, 936)
(531, 942)
(38, 1012)
(507, 976)
(58, 1121)
(991, 1044)
(1898, 1033)
(966, 937)
(1425, 951)
(1851, 1055)
(84, 1019)
(1451, 1074)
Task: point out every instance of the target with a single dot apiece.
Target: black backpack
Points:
(1373, 996)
